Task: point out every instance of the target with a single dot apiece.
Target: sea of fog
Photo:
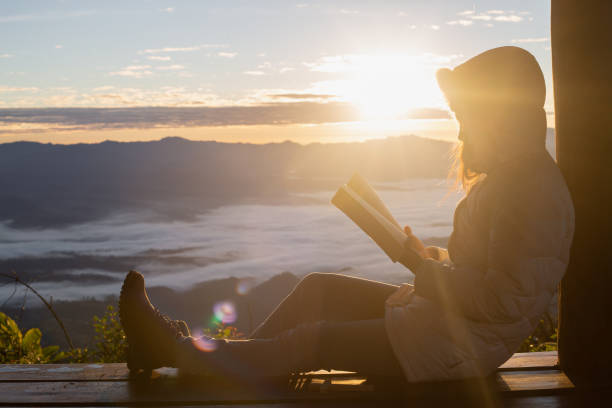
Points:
(257, 241)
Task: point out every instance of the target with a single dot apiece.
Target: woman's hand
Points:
(414, 243)
(402, 296)
(417, 245)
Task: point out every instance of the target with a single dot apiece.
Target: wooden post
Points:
(582, 72)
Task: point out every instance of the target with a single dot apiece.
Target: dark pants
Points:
(328, 321)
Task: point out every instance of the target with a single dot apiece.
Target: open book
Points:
(358, 200)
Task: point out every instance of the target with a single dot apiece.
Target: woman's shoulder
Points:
(536, 197)
(534, 179)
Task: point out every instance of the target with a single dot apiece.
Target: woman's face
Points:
(477, 135)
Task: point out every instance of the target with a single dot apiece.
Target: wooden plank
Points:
(119, 371)
(548, 401)
(517, 381)
(162, 393)
(63, 372)
(166, 391)
(531, 361)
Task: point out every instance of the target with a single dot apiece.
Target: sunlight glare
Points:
(387, 86)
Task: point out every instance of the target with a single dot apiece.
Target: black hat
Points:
(506, 76)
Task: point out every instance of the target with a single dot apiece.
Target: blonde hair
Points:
(464, 178)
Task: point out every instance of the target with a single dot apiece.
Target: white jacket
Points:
(508, 251)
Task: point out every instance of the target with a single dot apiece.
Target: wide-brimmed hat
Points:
(503, 77)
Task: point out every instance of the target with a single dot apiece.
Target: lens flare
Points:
(244, 286)
(204, 343)
(225, 312)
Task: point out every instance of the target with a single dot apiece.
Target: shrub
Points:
(544, 338)
(223, 331)
(19, 348)
(110, 344)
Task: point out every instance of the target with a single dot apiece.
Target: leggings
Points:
(328, 321)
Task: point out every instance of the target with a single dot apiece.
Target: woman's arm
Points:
(416, 251)
(528, 251)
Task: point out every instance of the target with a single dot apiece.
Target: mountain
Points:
(47, 185)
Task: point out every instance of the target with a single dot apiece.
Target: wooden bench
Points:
(524, 380)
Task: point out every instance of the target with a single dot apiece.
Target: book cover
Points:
(360, 202)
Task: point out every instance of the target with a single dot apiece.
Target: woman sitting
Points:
(470, 307)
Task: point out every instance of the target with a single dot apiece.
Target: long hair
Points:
(464, 177)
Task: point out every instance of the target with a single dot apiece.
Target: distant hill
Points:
(43, 185)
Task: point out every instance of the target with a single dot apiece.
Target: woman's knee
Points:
(315, 282)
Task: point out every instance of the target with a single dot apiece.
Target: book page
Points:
(386, 234)
(360, 186)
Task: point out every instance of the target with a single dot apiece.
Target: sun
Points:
(387, 86)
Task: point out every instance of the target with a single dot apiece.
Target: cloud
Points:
(530, 40)
(17, 18)
(227, 54)
(133, 71)
(110, 96)
(149, 117)
(59, 46)
(18, 89)
(348, 11)
(168, 10)
(159, 58)
(63, 88)
(466, 13)
(301, 111)
(6, 55)
(173, 67)
(498, 15)
(103, 88)
(301, 5)
(359, 62)
(189, 48)
(137, 67)
(285, 69)
(464, 23)
(482, 17)
(268, 243)
(170, 49)
(513, 18)
(301, 96)
(434, 27)
(254, 73)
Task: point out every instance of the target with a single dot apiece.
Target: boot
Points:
(152, 337)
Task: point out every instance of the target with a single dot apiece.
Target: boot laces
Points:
(172, 325)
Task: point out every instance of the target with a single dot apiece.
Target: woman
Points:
(470, 307)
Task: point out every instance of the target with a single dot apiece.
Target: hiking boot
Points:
(152, 336)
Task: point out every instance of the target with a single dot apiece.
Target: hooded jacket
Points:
(470, 309)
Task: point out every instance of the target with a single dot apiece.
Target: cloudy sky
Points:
(245, 70)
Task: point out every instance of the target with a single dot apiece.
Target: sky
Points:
(79, 71)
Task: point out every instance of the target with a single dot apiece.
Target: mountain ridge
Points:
(52, 185)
